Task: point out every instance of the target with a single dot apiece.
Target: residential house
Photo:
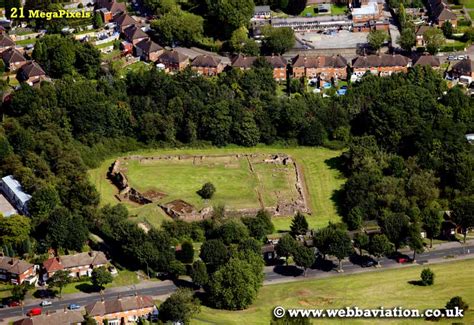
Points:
(278, 64)
(77, 265)
(428, 60)
(243, 62)
(262, 12)
(367, 12)
(31, 73)
(110, 8)
(207, 65)
(325, 67)
(123, 21)
(66, 317)
(148, 50)
(16, 271)
(464, 68)
(420, 31)
(13, 59)
(13, 191)
(134, 34)
(440, 13)
(6, 43)
(382, 65)
(312, 24)
(126, 310)
(173, 61)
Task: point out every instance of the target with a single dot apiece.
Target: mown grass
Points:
(124, 278)
(322, 179)
(384, 288)
(468, 3)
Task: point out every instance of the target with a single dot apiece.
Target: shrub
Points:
(457, 302)
(427, 277)
(207, 191)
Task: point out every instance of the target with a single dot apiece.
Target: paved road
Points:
(156, 289)
(279, 274)
(272, 275)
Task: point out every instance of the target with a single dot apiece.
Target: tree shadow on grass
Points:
(418, 283)
(335, 163)
(86, 288)
(338, 198)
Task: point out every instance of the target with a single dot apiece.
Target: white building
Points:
(12, 189)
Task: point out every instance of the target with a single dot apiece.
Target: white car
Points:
(46, 303)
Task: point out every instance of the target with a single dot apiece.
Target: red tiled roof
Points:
(52, 265)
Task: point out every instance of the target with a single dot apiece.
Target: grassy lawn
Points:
(5, 290)
(26, 41)
(468, 3)
(338, 9)
(387, 289)
(471, 14)
(235, 184)
(312, 10)
(124, 278)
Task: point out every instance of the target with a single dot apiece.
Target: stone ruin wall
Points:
(281, 209)
(119, 179)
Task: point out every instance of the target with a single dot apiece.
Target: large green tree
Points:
(278, 40)
(299, 225)
(463, 213)
(304, 257)
(59, 280)
(286, 246)
(234, 286)
(181, 306)
(340, 246)
(179, 27)
(434, 39)
(231, 14)
(376, 38)
(101, 276)
(380, 246)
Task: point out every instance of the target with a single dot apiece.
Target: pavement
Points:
(441, 253)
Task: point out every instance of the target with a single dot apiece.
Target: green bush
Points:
(427, 277)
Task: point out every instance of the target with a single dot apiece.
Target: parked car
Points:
(46, 303)
(34, 312)
(73, 307)
(451, 58)
(461, 57)
(403, 260)
(368, 264)
(2, 306)
(14, 303)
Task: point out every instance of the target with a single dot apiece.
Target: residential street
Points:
(273, 275)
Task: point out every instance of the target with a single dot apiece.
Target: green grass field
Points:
(335, 10)
(468, 3)
(124, 278)
(235, 185)
(384, 288)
